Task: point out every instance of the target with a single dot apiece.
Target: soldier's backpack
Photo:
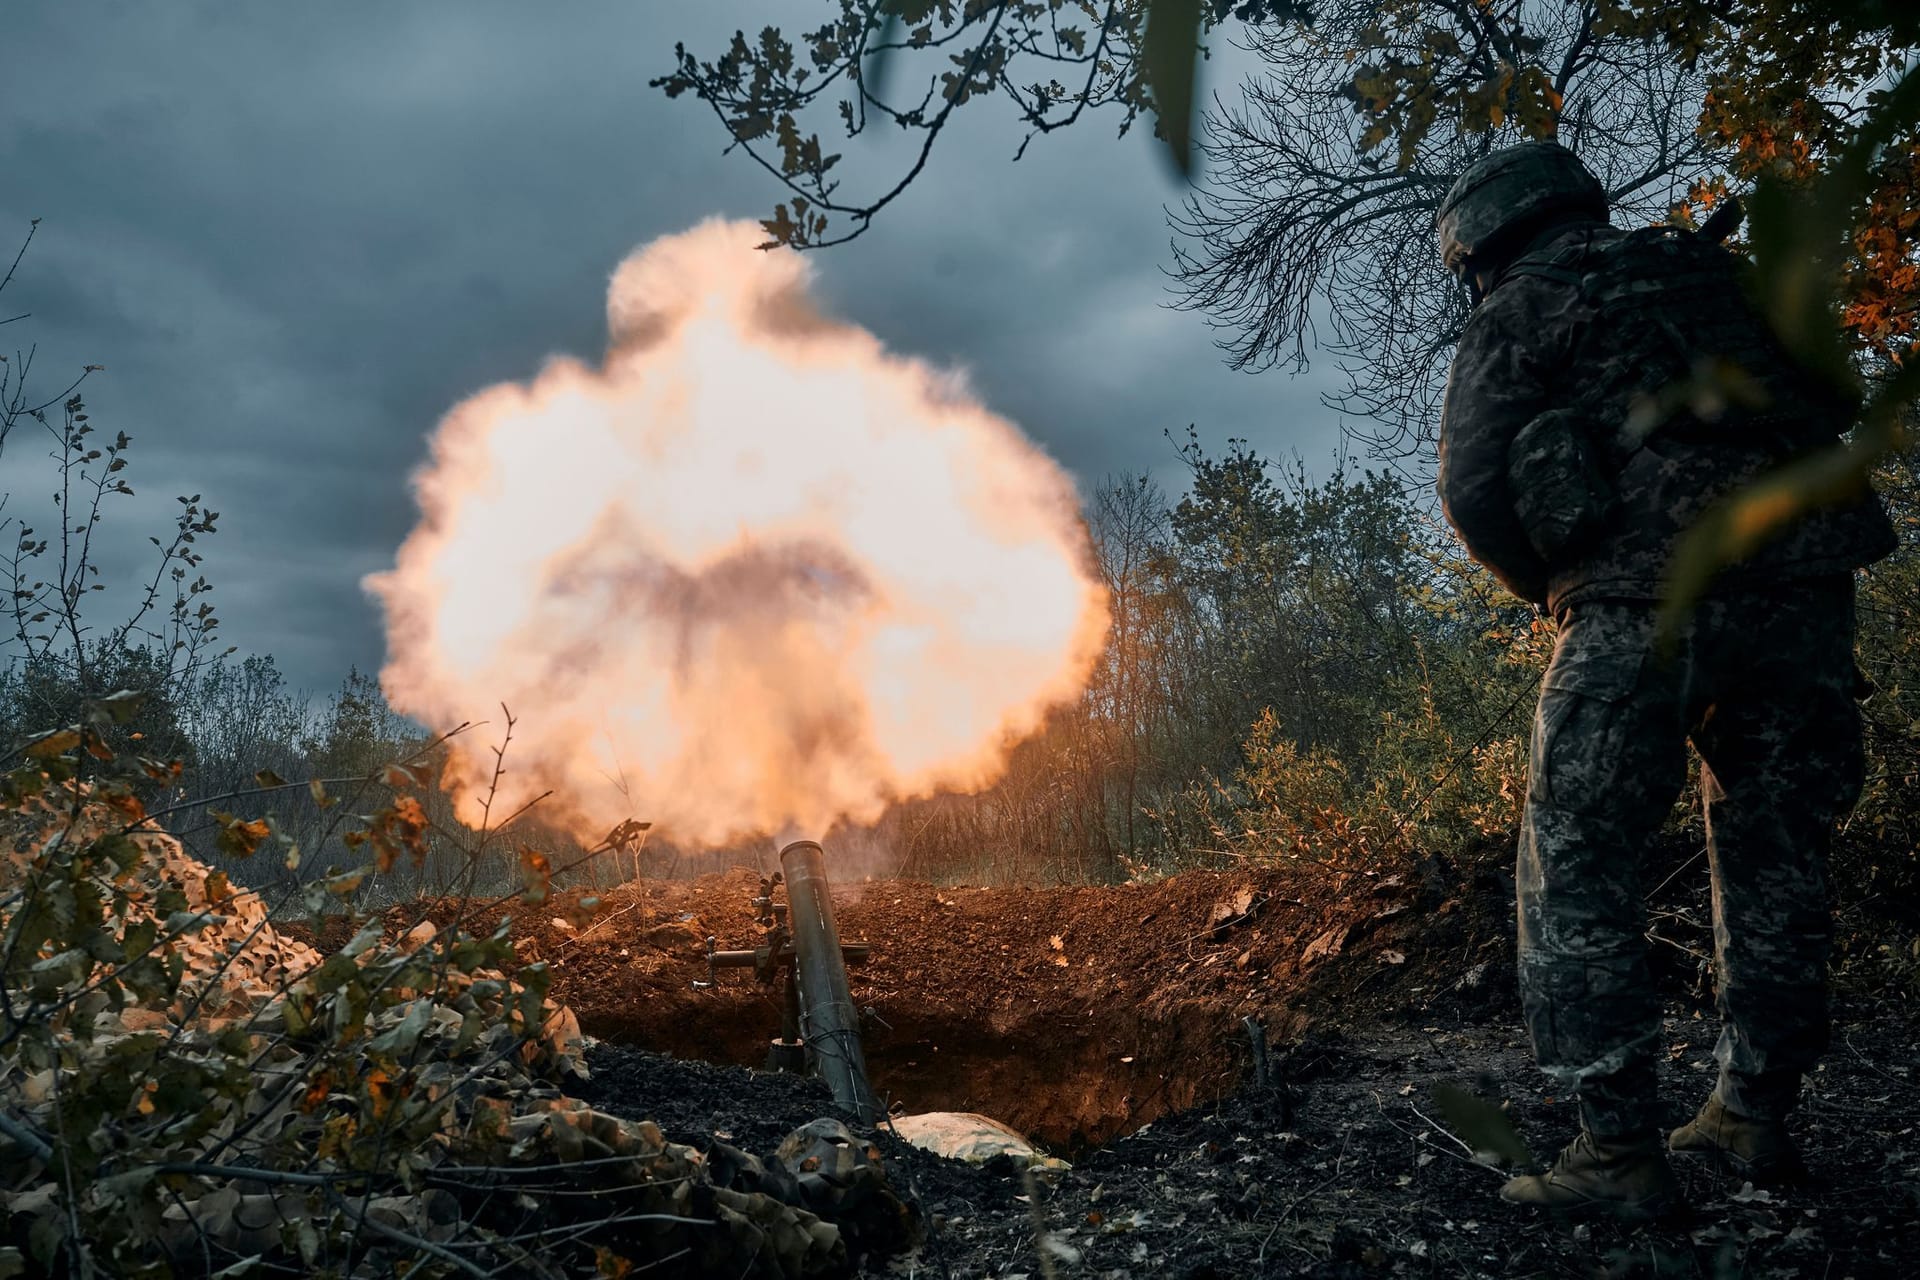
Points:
(1669, 354)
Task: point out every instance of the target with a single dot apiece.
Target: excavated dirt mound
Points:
(1081, 1015)
(1073, 1014)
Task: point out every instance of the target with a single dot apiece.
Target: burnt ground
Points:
(1106, 1022)
(1347, 1171)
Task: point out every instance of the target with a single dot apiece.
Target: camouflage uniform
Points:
(1533, 346)
(1762, 683)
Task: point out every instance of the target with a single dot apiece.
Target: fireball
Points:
(751, 573)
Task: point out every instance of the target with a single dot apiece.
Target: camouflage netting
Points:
(184, 1091)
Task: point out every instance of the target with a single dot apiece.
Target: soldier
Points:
(1569, 466)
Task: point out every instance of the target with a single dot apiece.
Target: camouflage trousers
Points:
(1762, 684)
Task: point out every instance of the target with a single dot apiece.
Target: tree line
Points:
(1308, 669)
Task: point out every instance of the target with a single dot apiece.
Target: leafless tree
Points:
(1314, 229)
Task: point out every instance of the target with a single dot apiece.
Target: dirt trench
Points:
(1074, 1014)
(1026, 1004)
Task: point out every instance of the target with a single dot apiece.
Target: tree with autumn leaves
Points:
(1315, 180)
(1317, 177)
(1314, 186)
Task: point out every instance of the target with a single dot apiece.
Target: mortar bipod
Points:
(774, 957)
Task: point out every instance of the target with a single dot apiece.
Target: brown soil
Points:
(1027, 1004)
(1073, 1014)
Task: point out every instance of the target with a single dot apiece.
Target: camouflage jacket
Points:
(1529, 347)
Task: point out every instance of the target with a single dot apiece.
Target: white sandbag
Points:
(963, 1135)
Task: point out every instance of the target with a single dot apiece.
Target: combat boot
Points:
(1628, 1178)
(1759, 1151)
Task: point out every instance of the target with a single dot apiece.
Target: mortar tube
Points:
(829, 1023)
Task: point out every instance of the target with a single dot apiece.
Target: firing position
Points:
(1570, 469)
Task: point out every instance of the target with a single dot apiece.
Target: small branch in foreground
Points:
(275, 1177)
(26, 1137)
(411, 1241)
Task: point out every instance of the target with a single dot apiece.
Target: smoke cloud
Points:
(753, 573)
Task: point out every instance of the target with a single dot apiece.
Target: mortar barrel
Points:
(829, 1023)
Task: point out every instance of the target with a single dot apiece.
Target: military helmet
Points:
(1503, 192)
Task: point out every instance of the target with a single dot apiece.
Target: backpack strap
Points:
(1563, 265)
(1544, 271)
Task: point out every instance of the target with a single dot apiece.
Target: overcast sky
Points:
(296, 233)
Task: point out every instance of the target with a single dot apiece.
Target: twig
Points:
(26, 1137)
(1701, 956)
(606, 919)
(1677, 872)
(595, 1224)
(1444, 1132)
(285, 1177)
(1466, 1159)
(411, 1241)
(1042, 1238)
(1870, 1065)
(1287, 1212)
(74, 1242)
(32, 227)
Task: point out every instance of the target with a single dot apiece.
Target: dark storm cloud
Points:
(296, 234)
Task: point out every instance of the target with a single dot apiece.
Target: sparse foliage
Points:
(57, 660)
(1053, 61)
(1297, 669)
